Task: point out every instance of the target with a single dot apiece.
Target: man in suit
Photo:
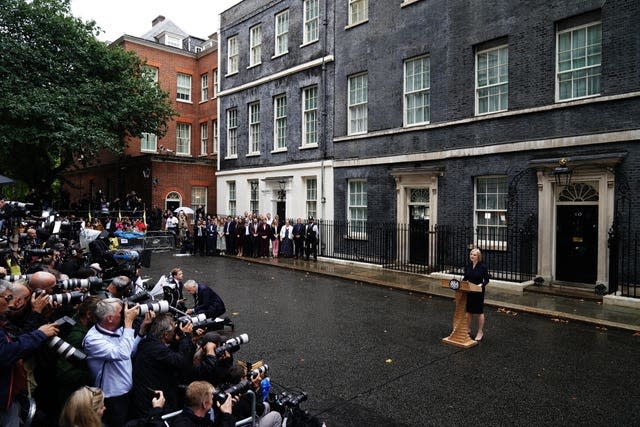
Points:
(264, 231)
(205, 300)
(298, 238)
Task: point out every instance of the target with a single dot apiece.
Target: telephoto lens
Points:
(232, 345)
(255, 373)
(16, 277)
(235, 390)
(67, 298)
(158, 307)
(296, 400)
(195, 320)
(67, 284)
(138, 298)
(66, 350)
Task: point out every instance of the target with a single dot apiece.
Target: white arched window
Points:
(173, 200)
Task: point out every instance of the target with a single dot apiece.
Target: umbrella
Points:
(5, 180)
(184, 209)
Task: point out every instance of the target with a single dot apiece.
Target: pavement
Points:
(579, 307)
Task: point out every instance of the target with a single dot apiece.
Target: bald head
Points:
(42, 280)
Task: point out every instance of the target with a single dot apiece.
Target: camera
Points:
(16, 277)
(67, 298)
(66, 350)
(255, 373)
(286, 400)
(38, 252)
(158, 307)
(138, 298)
(93, 284)
(235, 390)
(195, 320)
(232, 345)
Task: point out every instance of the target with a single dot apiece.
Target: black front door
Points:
(281, 209)
(577, 243)
(418, 236)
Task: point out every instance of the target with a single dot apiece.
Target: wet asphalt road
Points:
(371, 356)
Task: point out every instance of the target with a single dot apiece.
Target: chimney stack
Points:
(157, 20)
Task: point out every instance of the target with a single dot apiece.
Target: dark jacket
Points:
(157, 366)
(208, 302)
(10, 352)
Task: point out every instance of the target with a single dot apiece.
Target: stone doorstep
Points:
(620, 301)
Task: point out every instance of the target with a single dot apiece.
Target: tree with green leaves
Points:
(65, 96)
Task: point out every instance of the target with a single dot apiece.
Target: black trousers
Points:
(117, 410)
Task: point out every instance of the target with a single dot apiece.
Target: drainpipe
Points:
(323, 128)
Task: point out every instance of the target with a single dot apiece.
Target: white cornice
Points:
(540, 144)
(278, 75)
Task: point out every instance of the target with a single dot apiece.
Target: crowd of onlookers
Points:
(248, 235)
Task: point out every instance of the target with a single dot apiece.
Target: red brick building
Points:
(179, 168)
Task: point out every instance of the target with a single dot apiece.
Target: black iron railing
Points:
(624, 270)
(418, 248)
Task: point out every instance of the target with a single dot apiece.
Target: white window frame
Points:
(357, 208)
(199, 197)
(358, 99)
(280, 123)
(358, 12)
(491, 214)
(311, 25)
(173, 41)
(183, 139)
(311, 187)
(232, 55)
(204, 87)
(231, 187)
(310, 116)
(215, 84)
(255, 45)
(254, 196)
(214, 135)
(183, 85)
(151, 73)
(172, 196)
(417, 87)
(232, 133)
(253, 111)
(592, 72)
(282, 33)
(495, 79)
(204, 138)
(149, 142)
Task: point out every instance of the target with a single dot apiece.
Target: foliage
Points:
(64, 95)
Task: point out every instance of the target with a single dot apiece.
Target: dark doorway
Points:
(418, 235)
(281, 211)
(577, 243)
(172, 205)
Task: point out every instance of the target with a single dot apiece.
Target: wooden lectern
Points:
(460, 334)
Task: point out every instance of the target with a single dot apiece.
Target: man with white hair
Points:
(205, 300)
(109, 346)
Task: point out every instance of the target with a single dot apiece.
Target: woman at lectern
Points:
(477, 273)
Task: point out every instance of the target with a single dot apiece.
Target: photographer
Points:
(209, 367)
(198, 406)
(12, 350)
(173, 289)
(206, 301)
(159, 364)
(242, 408)
(120, 287)
(109, 346)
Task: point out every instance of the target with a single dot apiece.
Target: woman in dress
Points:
(183, 226)
(286, 240)
(477, 273)
(222, 244)
(240, 230)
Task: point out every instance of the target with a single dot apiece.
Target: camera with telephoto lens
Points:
(158, 307)
(196, 320)
(138, 298)
(93, 284)
(16, 277)
(255, 373)
(37, 252)
(63, 348)
(232, 345)
(67, 298)
(286, 400)
(16, 209)
(234, 390)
